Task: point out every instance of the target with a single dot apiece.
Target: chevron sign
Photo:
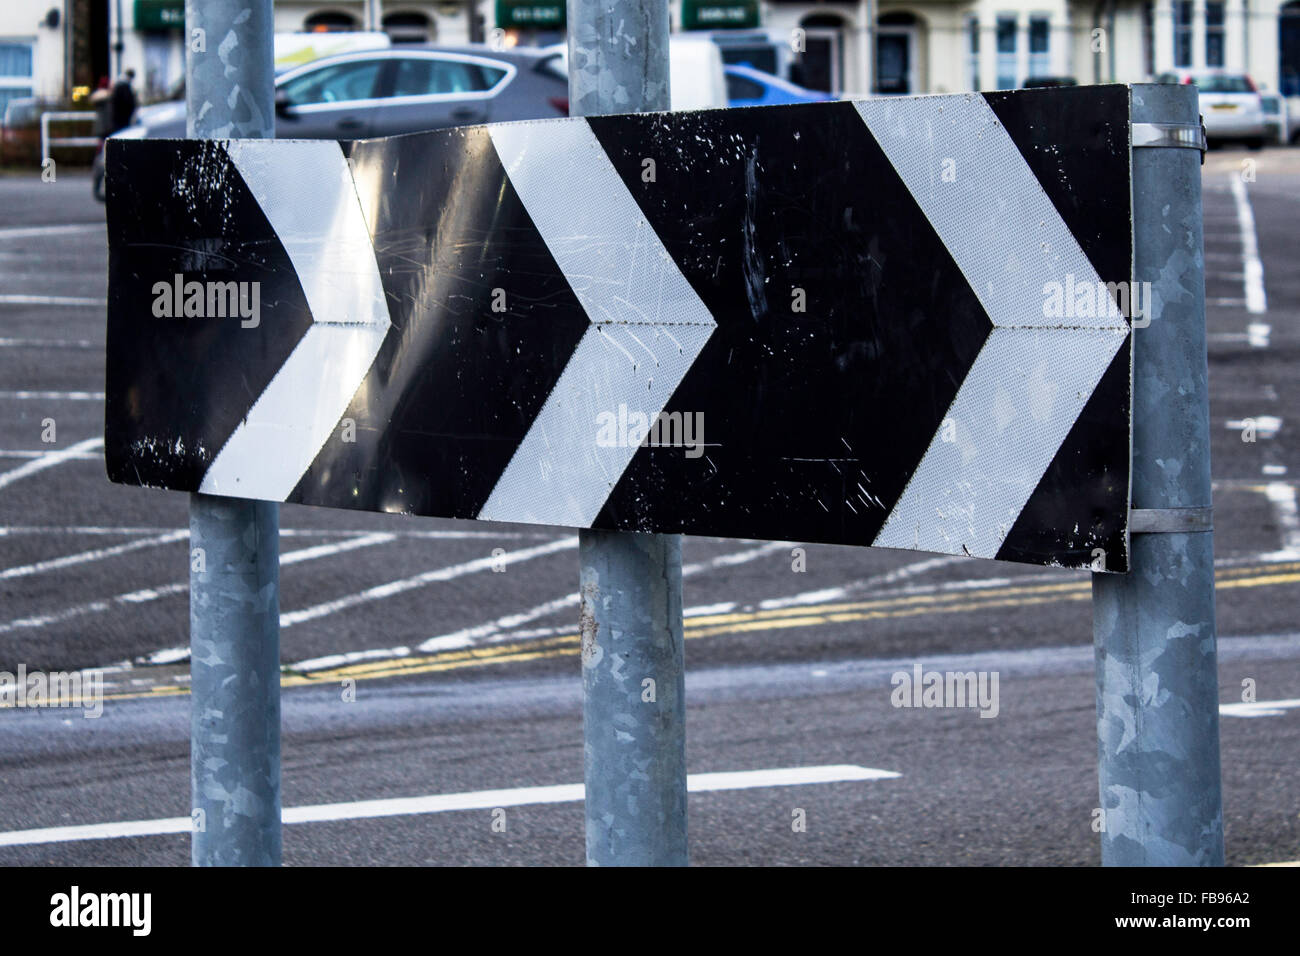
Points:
(899, 322)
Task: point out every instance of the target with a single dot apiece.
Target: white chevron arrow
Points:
(1034, 374)
(311, 202)
(648, 324)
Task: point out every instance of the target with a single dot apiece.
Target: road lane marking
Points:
(147, 595)
(834, 594)
(25, 454)
(950, 597)
(26, 395)
(471, 636)
(97, 554)
(50, 460)
(1282, 496)
(403, 585)
(47, 344)
(453, 802)
(64, 300)
(956, 602)
(1264, 426)
(28, 232)
(284, 532)
(1253, 280)
(1259, 708)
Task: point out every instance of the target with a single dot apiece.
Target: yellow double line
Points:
(745, 622)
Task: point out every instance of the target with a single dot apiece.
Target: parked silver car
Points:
(1231, 107)
(404, 89)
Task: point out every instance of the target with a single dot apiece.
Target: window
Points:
(329, 22)
(759, 57)
(1148, 38)
(334, 84)
(1214, 33)
(1040, 38)
(1182, 32)
(741, 88)
(407, 27)
(15, 72)
(1006, 32)
(425, 77)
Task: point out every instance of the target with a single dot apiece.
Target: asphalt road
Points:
(469, 680)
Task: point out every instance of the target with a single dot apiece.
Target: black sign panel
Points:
(898, 322)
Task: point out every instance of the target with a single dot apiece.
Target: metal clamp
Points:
(1170, 520)
(1148, 135)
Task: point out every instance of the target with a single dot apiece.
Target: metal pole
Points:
(235, 544)
(1157, 682)
(634, 713)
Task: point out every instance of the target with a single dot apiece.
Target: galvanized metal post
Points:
(634, 715)
(235, 546)
(1154, 629)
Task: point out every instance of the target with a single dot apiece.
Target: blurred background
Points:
(67, 55)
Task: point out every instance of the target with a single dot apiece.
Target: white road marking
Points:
(27, 454)
(1266, 426)
(452, 802)
(97, 554)
(1259, 708)
(403, 585)
(21, 299)
(53, 396)
(50, 460)
(146, 595)
(28, 232)
(1257, 334)
(337, 547)
(284, 532)
(1256, 300)
(47, 344)
(503, 627)
(824, 595)
(1282, 496)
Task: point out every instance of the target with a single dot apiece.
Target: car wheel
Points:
(97, 185)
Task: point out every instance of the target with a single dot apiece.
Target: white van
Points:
(695, 75)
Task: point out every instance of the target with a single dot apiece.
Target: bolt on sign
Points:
(834, 322)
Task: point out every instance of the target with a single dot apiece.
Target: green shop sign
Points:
(160, 14)
(534, 15)
(719, 14)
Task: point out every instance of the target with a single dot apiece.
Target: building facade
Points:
(33, 51)
(49, 48)
(938, 46)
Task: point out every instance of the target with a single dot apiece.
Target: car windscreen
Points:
(1223, 84)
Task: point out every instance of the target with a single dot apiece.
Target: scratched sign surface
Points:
(897, 322)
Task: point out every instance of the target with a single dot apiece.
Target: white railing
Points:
(47, 142)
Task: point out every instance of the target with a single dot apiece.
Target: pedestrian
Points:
(123, 102)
